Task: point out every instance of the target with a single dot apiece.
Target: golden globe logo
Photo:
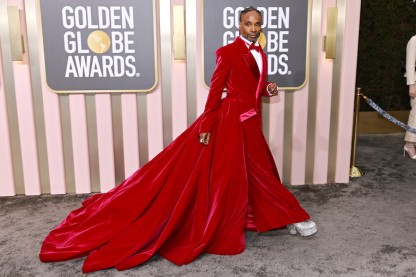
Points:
(99, 42)
(91, 33)
(262, 40)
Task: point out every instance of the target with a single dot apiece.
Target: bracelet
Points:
(267, 88)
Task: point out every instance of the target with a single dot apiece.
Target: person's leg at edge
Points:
(410, 138)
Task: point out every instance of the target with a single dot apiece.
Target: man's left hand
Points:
(272, 88)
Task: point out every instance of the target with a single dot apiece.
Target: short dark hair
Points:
(249, 9)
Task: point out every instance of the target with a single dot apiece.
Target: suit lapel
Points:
(248, 58)
(264, 66)
(262, 76)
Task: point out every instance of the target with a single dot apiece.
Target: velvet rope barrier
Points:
(387, 115)
(355, 171)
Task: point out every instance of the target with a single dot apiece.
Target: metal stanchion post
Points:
(354, 171)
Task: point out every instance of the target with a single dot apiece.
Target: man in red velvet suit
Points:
(202, 192)
(242, 69)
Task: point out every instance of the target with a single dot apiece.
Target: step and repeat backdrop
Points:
(284, 36)
(105, 45)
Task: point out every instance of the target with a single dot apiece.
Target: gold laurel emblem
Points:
(99, 42)
(262, 40)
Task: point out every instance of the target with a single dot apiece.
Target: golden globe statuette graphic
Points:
(99, 42)
(262, 40)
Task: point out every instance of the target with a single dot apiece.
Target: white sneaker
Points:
(304, 228)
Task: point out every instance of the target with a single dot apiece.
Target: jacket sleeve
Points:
(218, 83)
(411, 60)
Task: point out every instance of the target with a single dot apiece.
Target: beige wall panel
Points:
(287, 137)
(92, 142)
(118, 146)
(31, 55)
(142, 128)
(166, 68)
(191, 21)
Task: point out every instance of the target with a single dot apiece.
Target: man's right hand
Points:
(204, 138)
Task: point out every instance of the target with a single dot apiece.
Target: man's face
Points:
(250, 26)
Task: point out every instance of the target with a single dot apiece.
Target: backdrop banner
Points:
(284, 38)
(99, 45)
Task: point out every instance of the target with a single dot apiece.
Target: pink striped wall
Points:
(93, 142)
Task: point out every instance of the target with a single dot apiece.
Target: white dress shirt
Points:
(256, 55)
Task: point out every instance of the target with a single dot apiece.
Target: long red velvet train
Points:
(188, 200)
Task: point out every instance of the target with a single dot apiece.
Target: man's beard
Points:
(248, 37)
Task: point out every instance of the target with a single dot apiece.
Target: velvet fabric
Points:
(191, 198)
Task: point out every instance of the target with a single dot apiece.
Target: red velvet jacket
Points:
(237, 71)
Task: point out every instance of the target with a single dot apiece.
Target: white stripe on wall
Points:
(130, 133)
(26, 117)
(300, 118)
(347, 85)
(276, 129)
(105, 142)
(80, 143)
(6, 168)
(323, 105)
